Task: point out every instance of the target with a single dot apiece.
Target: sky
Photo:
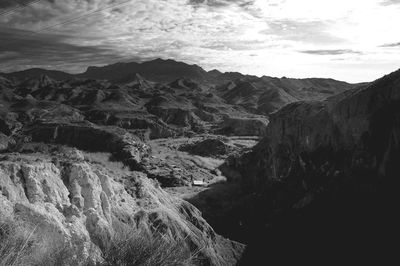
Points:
(350, 40)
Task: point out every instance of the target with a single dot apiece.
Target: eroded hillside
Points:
(80, 202)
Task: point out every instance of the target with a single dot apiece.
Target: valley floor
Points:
(169, 160)
(217, 197)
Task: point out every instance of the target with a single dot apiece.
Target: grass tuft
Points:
(132, 247)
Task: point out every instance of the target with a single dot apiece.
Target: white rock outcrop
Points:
(79, 205)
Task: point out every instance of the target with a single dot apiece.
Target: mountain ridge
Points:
(59, 75)
(267, 94)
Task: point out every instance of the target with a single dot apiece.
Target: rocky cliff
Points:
(352, 134)
(323, 178)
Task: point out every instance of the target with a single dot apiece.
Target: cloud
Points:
(241, 45)
(303, 31)
(222, 3)
(263, 37)
(248, 6)
(23, 48)
(13, 3)
(330, 52)
(390, 2)
(397, 44)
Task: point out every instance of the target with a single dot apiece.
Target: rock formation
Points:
(346, 130)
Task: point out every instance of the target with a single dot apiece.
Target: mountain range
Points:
(164, 96)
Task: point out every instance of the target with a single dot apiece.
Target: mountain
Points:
(164, 96)
(325, 175)
(180, 107)
(260, 96)
(37, 72)
(266, 94)
(156, 70)
(361, 119)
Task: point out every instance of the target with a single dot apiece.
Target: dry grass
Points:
(131, 247)
(15, 243)
(21, 244)
(182, 221)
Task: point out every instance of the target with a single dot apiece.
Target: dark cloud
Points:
(390, 2)
(14, 3)
(330, 52)
(22, 49)
(11, 6)
(397, 44)
(303, 31)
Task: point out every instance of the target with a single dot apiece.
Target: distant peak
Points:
(160, 60)
(215, 71)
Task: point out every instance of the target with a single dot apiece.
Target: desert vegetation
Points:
(21, 244)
